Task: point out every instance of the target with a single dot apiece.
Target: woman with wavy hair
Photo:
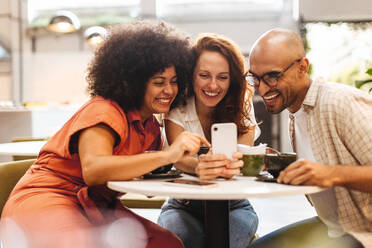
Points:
(219, 93)
(62, 200)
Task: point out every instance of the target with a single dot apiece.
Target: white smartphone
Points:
(190, 183)
(224, 139)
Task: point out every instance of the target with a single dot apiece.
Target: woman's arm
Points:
(99, 165)
(187, 163)
(247, 138)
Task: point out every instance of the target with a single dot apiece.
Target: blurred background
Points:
(45, 47)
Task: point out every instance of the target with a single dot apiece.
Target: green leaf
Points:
(360, 83)
(369, 71)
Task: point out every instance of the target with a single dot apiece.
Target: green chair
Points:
(133, 200)
(10, 173)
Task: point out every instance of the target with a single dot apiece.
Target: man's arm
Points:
(310, 173)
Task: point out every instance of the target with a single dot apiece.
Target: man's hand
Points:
(304, 172)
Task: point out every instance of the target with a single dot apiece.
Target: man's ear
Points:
(304, 65)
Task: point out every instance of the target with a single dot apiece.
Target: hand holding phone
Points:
(224, 139)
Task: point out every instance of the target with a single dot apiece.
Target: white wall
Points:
(5, 66)
(54, 66)
(55, 71)
(335, 10)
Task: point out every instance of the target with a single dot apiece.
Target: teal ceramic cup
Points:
(275, 163)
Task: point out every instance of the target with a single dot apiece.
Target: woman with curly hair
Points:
(62, 200)
(219, 94)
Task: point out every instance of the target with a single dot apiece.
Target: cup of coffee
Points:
(275, 163)
(253, 164)
(253, 158)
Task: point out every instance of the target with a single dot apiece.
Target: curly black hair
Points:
(131, 55)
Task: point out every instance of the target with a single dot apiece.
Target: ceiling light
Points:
(64, 22)
(95, 36)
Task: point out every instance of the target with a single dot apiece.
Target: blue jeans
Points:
(185, 218)
(308, 233)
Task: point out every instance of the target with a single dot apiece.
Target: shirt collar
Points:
(134, 118)
(312, 93)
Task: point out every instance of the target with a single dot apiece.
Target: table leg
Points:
(216, 224)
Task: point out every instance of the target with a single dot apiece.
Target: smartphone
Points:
(190, 183)
(224, 139)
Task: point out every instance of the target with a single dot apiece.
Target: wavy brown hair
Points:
(235, 106)
(131, 55)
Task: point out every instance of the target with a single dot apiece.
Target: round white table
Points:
(25, 148)
(234, 189)
(216, 211)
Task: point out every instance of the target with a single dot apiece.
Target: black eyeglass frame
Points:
(270, 81)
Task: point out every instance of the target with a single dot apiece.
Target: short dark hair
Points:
(235, 106)
(131, 55)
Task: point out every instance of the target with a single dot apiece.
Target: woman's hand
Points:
(211, 166)
(233, 167)
(185, 144)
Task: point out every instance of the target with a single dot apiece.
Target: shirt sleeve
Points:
(353, 122)
(95, 113)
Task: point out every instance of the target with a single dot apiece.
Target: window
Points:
(340, 52)
(218, 9)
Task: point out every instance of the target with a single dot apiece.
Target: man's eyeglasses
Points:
(271, 78)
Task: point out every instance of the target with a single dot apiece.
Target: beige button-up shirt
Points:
(340, 128)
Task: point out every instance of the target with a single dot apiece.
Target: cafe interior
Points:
(45, 47)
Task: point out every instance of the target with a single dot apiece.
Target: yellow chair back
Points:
(10, 173)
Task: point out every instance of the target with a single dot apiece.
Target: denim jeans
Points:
(307, 233)
(185, 218)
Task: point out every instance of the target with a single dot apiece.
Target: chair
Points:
(10, 173)
(132, 200)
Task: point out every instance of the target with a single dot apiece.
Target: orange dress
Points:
(51, 206)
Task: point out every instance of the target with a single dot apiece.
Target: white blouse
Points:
(186, 117)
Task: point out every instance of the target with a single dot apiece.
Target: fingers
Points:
(209, 173)
(296, 173)
(302, 179)
(234, 164)
(211, 157)
(291, 167)
(210, 166)
(229, 173)
(205, 141)
(193, 142)
(237, 155)
(224, 168)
